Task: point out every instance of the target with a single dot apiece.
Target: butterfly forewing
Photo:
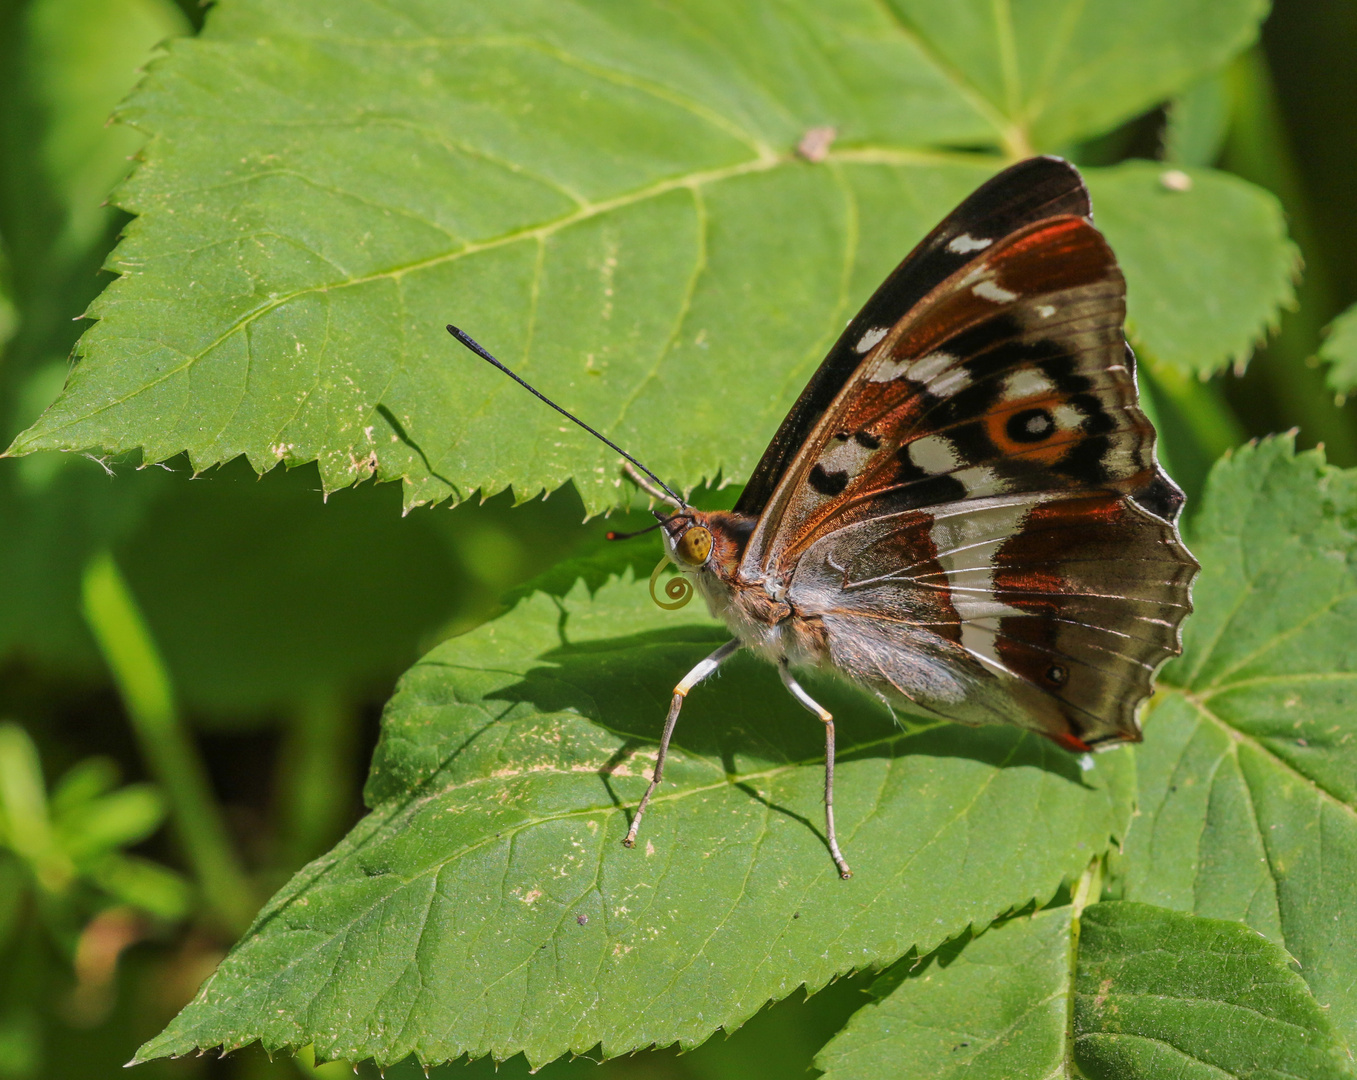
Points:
(1033, 190)
(977, 516)
(1010, 377)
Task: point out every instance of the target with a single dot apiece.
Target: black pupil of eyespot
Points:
(1030, 425)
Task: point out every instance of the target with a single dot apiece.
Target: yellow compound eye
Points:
(694, 546)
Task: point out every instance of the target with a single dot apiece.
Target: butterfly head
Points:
(687, 540)
(705, 540)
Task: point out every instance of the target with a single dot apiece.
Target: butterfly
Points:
(963, 512)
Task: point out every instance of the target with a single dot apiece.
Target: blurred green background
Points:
(222, 644)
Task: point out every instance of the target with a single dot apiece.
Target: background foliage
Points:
(194, 659)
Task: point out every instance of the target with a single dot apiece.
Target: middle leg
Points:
(828, 720)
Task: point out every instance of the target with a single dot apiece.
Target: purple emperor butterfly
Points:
(962, 512)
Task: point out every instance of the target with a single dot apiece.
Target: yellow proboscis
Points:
(678, 589)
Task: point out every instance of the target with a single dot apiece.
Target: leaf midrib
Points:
(1005, 127)
(1240, 738)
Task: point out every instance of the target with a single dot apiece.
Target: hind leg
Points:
(828, 720)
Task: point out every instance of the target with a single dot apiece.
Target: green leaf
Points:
(119, 819)
(143, 884)
(1248, 805)
(1222, 231)
(25, 824)
(82, 783)
(1159, 993)
(1123, 991)
(1339, 350)
(1061, 70)
(995, 1008)
(487, 906)
(608, 199)
(1198, 122)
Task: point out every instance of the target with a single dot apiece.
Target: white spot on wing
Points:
(1067, 417)
(980, 481)
(934, 454)
(886, 369)
(926, 368)
(949, 382)
(870, 338)
(1038, 424)
(930, 369)
(847, 457)
(1045, 310)
(1026, 382)
(988, 290)
(967, 541)
(966, 243)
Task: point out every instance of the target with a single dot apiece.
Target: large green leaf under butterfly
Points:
(608, 196)
(487, 905)
(451, 916)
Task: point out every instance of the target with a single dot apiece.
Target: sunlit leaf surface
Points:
(995, 1009)
(608, 196)
(1052, 71)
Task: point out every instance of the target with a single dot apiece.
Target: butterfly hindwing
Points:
(1055, 612)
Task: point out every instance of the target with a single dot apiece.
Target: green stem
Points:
(316, 777)
(1088, 890)
(170, 753)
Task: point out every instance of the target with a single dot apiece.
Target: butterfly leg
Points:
(819, 710)
(705, 668)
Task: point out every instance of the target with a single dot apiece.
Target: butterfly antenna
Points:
(471, 343)
(628, 535)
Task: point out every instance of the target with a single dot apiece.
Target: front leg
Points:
(703, 669)
(819, 710)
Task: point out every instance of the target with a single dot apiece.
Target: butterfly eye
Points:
(694, 546)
